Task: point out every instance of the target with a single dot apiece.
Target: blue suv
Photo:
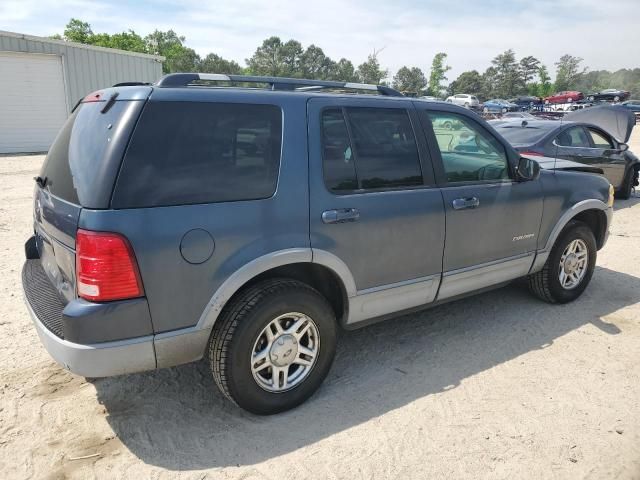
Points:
(198, 217)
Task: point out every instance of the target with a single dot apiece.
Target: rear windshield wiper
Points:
(41, 181)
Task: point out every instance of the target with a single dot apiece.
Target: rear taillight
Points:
(106, 267)
(531, 154)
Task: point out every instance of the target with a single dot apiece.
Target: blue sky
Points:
(410, 32)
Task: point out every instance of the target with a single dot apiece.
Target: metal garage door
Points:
(32, 101)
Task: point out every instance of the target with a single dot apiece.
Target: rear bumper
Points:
(98, 360)
(93, 340)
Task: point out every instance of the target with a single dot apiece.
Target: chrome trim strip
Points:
(465, 280)
(214, 77)
(378, 301)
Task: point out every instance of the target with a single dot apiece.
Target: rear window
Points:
(78, 165)
(518, 135)
(56, 166)
(186, 153)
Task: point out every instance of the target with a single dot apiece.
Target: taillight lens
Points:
(106, 267)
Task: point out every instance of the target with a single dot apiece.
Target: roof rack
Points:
(276, 83)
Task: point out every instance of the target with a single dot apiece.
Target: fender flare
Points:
(590, 204)
(267, 262)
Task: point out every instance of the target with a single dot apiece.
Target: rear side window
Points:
(573, 137)
(186, 153)
(369, 149)
(599, 139)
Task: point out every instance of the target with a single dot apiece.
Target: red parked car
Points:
(564, 97)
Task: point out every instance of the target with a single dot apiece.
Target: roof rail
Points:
(276, 83)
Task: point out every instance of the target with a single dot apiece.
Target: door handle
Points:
(340, 215)
(468, 202)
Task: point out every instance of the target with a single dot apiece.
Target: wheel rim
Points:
(285, 352)
(573, 264)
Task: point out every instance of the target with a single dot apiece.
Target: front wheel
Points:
(569, 268)
(273, 345)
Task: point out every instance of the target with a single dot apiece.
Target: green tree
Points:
(343, 71)
(171, 46)
(438, 74)
(545, 87)
(490, 80)
(370, 71)
(467, 82)
(410, 80)
(77, 31)
(130, 41)
(568, 71)
(290, 56)
(529, 68)
(213, 63)
(314, 64)
(267, 59)
(507, 81)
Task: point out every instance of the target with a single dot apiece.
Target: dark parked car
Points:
(633, 105)
(174, 222)
(611, 94)
(526, 102)
(585, 143)
(564, 97)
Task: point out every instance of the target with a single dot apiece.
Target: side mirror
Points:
(623, 147)
(527, 170)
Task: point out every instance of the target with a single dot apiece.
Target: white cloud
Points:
(471, 32)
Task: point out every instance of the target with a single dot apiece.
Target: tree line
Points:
(506, 77)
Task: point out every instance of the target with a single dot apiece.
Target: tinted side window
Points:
(185, 153)
(385, 148)
(338, 162)
(468, 152)
(573, 137)
(377, 150)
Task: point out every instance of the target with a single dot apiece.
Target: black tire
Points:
(545, 284)
(238, 327)
(627, 185)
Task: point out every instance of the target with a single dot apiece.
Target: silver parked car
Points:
(464, 100)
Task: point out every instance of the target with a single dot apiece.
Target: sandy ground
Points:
(496, 386)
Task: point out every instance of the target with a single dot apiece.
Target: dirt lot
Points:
(496, 386)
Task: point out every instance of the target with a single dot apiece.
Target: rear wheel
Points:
(627, 185)
(273, 346)
(569, 268)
